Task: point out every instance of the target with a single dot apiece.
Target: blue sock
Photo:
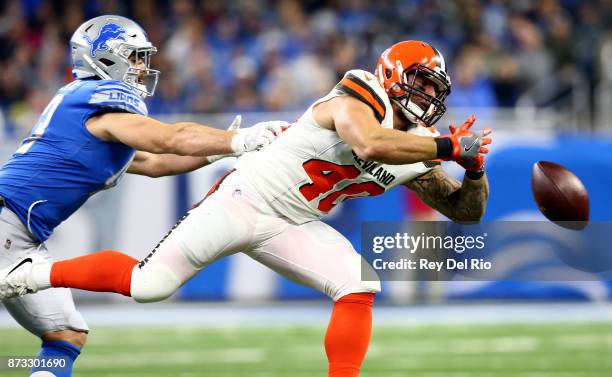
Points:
(57, 358)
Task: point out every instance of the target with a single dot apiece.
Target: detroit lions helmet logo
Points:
(108, 32)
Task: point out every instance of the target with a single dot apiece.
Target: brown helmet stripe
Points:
(442, 64)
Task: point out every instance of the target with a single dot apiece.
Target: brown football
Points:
(560, 195)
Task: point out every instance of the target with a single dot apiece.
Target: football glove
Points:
(468, 147)
(252, 138)
(257, 136)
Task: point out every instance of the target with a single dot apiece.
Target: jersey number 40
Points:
(325, 175)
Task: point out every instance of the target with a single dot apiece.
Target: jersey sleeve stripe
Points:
(357, 88)
(114, 84)
(121, 106)
(117, 86)
(124, 89)
(114, 90)
(102, 100)
(115, 95)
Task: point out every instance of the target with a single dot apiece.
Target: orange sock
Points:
(348, 334)
(104, 271)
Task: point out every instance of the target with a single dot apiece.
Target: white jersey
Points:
(309, 169)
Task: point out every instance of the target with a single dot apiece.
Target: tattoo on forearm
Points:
(472, 200)
(460, 202)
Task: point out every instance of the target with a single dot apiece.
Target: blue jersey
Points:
(61, 163)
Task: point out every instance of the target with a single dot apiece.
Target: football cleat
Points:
(17, 279)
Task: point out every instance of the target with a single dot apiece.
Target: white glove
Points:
(267, 131)
(257, 136)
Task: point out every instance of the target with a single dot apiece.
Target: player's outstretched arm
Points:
(357, 126)
(150, 135)
(184, 138)
(461, 202)
(161, 165)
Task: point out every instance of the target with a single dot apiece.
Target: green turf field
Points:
(572, 350)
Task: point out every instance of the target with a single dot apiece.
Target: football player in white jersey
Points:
(370, 133)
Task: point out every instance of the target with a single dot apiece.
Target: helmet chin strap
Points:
(98, 70)
(415, 110)
(141, 88)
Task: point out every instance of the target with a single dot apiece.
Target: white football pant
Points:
(235, 219)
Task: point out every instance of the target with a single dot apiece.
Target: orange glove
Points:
(467, 147)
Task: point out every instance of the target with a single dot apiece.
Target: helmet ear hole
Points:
(106, 62)
(388, 73)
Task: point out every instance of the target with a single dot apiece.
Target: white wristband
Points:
(216, 157)
(237, 143)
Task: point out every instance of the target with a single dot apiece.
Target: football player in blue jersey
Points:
(93, 130)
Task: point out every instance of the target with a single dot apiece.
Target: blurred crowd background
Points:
(265, 55)
(519, 65)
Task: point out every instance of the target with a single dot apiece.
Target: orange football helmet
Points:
(403, 69)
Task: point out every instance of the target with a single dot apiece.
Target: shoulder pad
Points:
(110, 94)
(365, 87)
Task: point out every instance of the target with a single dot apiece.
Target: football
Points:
(560, 195)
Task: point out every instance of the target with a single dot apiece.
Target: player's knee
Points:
(369, 286)
(362, 278)
(77, 338)
(369, 279)
(153, 282)
(357, 286)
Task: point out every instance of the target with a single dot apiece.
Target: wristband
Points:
(237, 143)
(445, 148)
(216, 157)
(474, 175)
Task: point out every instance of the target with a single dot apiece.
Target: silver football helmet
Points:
(114, 48)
